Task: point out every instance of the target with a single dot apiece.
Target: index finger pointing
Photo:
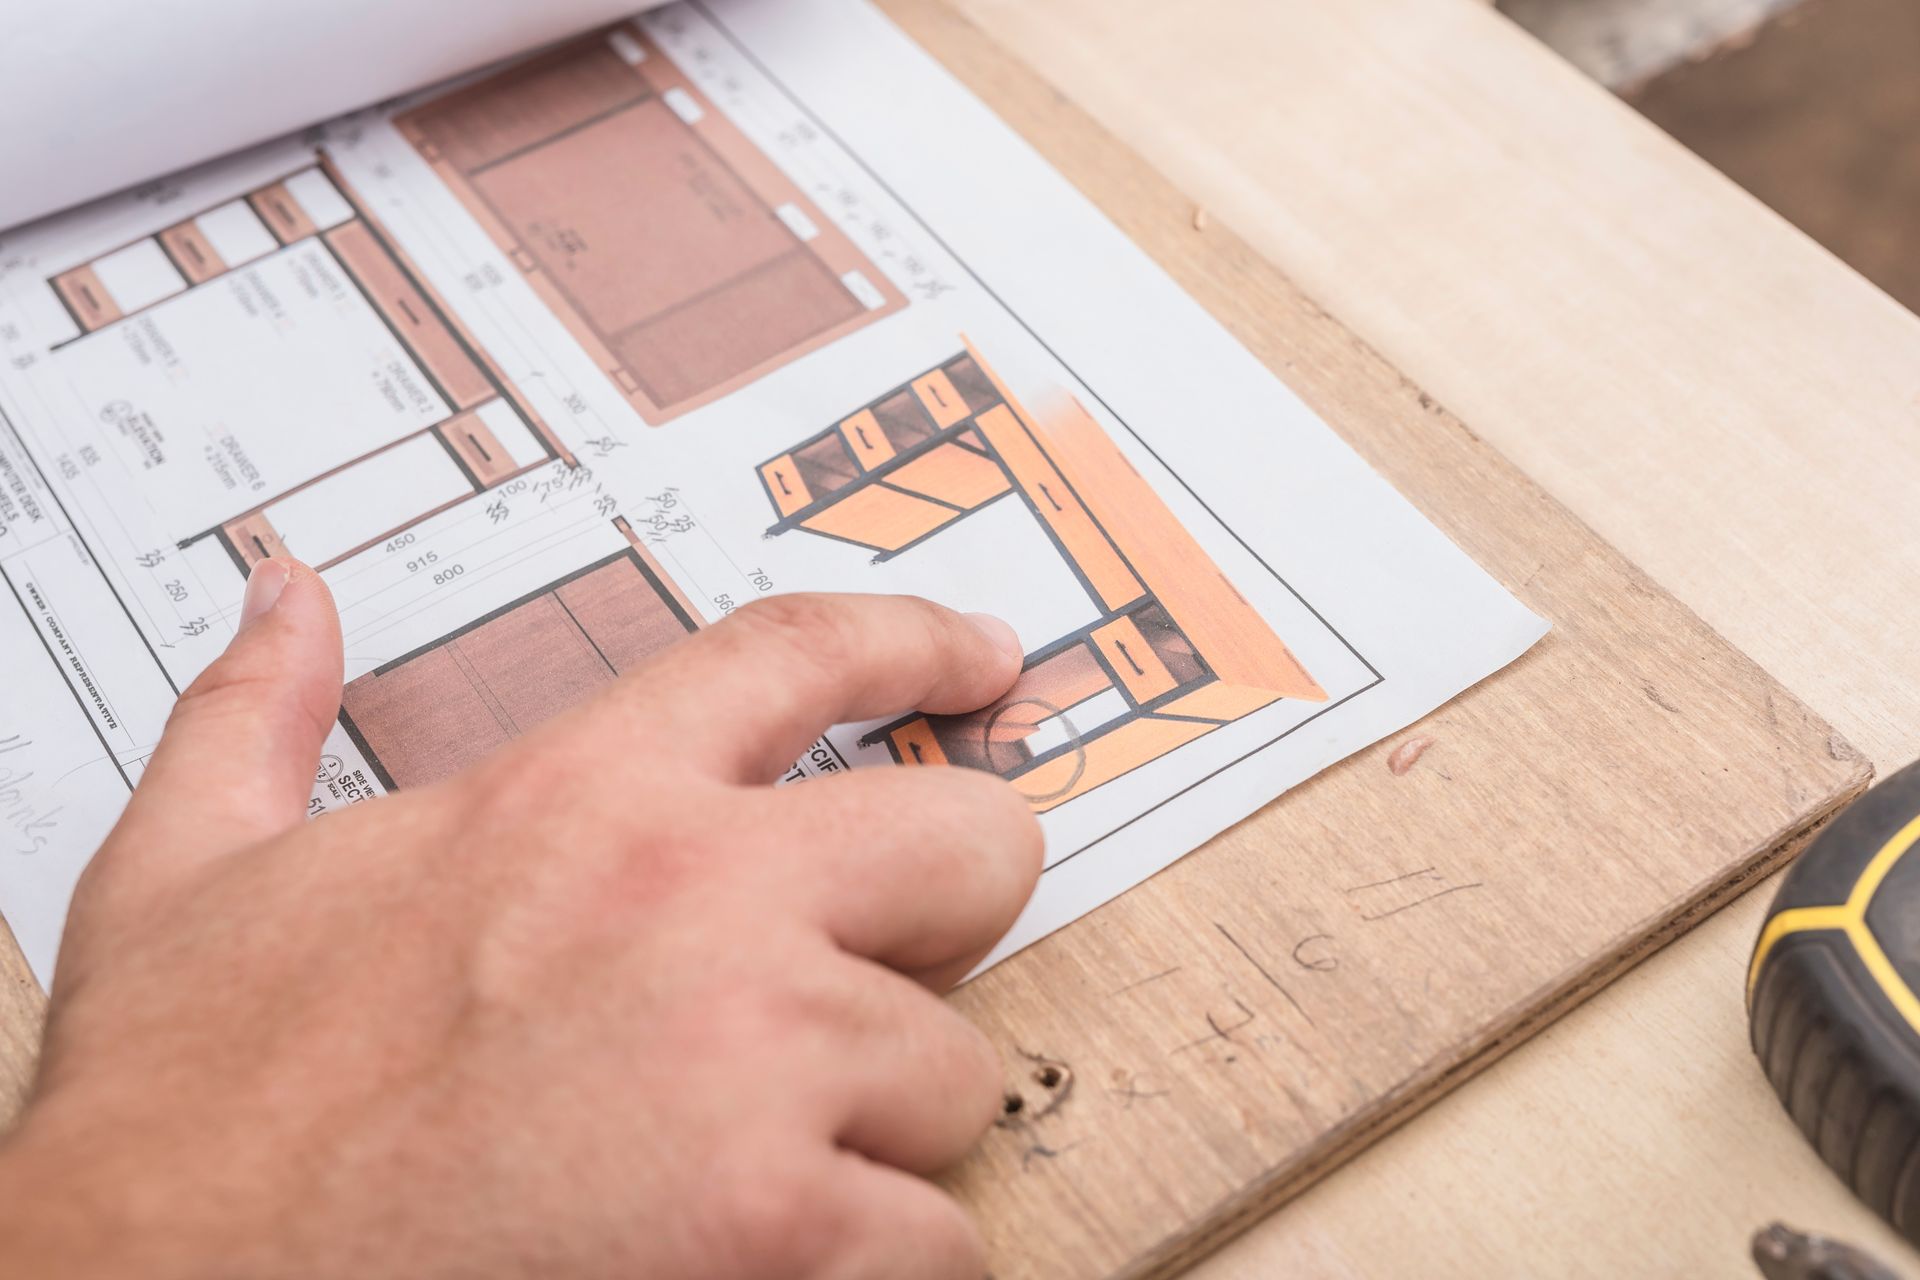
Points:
(748, 695)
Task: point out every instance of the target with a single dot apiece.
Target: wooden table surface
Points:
(1714, 393)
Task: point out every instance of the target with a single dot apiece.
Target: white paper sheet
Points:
(96, 95)
(752, 298)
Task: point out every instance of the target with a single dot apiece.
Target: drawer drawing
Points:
(675, 251)
(1169, 651)
(428, 714)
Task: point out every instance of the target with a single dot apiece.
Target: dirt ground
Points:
(1820, 117)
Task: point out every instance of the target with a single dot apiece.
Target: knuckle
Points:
(560, 774)
(238, 690)
(962, 1252)
(993, 805)
(508, 787)
(771, 1001)
(812, 639)
(944, 630)
(769, 1213)
(945, 641)
(769, 1206)
(977, 1070)
(226, 688)
(93, 892)
(815, 626)
(802, 1004)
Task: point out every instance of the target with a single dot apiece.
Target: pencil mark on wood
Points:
(1130, 1092)
(1428, 882)
(1045, 1152)
(1217, 1031)
(1407, 755)
(1261, 969)
(1320, 963)
(1375, 884)
(1419, 902)
(1653, 696)
(1141, 982)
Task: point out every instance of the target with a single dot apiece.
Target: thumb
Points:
(236, 762)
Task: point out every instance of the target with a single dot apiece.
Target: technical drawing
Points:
(435, 421)
(1170, 650)
(428, 714)
(675, 251)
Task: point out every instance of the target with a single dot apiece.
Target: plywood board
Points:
(1245, 1021)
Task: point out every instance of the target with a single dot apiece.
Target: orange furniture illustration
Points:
(1170, 650)
(676, 253)
(428, 714)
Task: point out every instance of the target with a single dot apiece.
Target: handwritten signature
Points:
(29, 827)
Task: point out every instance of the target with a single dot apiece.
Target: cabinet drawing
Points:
(1169, 650)
(674, 250)
(289, 378)
(428, 714)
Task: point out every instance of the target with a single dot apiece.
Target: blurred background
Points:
(1811, 105)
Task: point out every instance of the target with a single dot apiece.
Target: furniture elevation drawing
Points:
(1169, 651)
(290, 376)
(675, 251)
(430, 713)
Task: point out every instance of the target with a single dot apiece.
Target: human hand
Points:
(607, 1004)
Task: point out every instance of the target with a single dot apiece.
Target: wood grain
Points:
(1253, 1016)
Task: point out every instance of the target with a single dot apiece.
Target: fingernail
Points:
(996, 629)
(264, 585)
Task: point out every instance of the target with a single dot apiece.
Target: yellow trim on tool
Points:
(1850, 917)
(1794, 920)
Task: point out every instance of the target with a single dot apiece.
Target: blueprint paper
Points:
(548, 369)
(101, 94)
